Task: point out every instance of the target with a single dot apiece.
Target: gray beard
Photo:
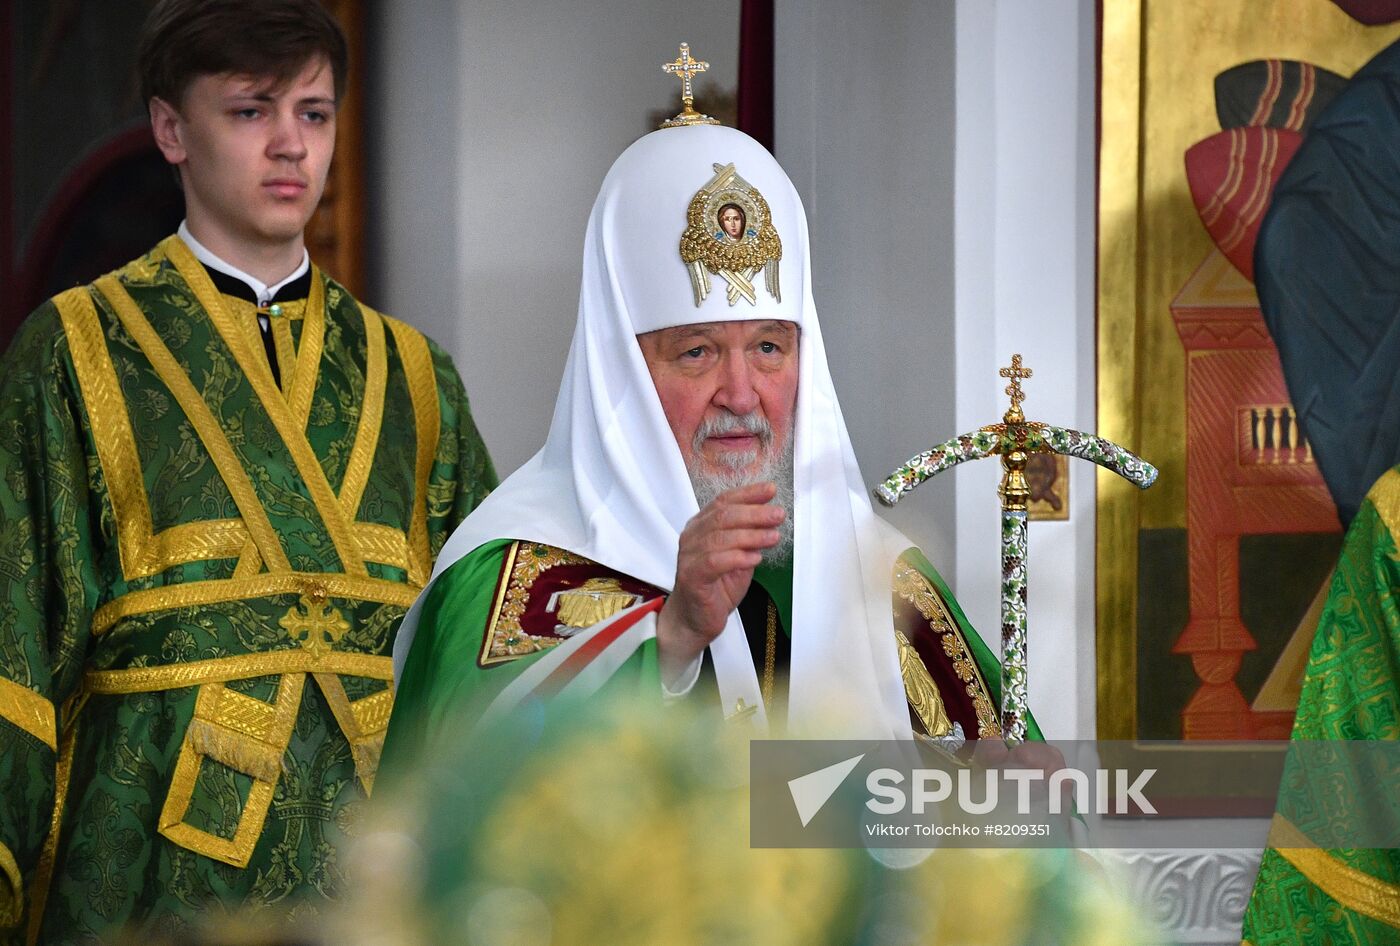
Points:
(776, 468)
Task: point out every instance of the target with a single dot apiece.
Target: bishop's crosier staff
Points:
(1014, 439)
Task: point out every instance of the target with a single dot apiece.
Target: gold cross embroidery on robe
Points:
(314, 624)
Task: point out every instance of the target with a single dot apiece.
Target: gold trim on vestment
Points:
(357, 468)
(1385, 496)
(143, 551)
(207, 428)
(249, 561)
(48, 854)
(284, 348)
(195, 542)
(197, 593)
(259, 375)
(251, 736)
(383, 544)
(920, 690)
(503, 583)
(363, 721)
(11, 889)
(241, 667)
(417, 363)
(505, 638)
(1354, 889)
(914, 587)
(110, 426)
(109, 423)
(770, 653)
(301, 387)
(30, 711)
(246, 735)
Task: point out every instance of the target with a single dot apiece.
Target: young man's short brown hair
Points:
(274, 39)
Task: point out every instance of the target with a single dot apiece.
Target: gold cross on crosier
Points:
(1016, 373)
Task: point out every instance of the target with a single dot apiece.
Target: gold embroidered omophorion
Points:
(544, 595)
(912, 586)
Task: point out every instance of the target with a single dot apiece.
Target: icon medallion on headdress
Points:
(729, 233)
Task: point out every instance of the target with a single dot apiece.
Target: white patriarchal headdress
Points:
(610, 484)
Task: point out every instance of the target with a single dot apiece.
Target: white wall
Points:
(494, 124)
(865, 127)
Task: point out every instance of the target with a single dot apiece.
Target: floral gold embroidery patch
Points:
(546, 594)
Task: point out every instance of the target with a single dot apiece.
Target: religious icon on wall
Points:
(1209, 585)
(1047, 476)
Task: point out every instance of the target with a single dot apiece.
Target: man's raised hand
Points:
(719, 549)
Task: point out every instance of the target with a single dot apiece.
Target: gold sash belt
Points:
(196, 594)
(224, 669)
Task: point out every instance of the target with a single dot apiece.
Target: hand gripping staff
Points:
(1014, 439)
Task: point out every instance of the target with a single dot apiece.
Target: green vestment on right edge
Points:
(1351, 691)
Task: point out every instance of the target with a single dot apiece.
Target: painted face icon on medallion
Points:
(732, 221)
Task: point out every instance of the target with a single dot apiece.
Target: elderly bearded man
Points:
(696, 523)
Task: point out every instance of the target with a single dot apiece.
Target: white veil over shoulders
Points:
(610, 484)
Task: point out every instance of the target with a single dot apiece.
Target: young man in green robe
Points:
(222, 482)
(695, 526)
(1351, 691)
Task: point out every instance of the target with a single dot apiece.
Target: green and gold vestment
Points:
(1351, 691)
(201, 573)
(493, 612)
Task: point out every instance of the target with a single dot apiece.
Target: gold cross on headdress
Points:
(686, 69)
(1016, 373)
